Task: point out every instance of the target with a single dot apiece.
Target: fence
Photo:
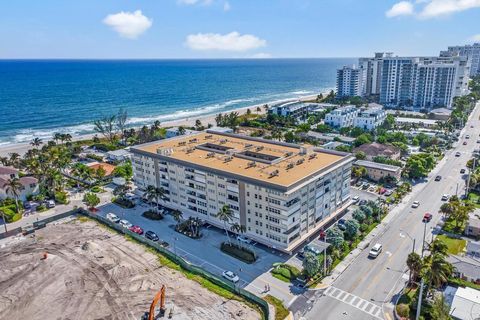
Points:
(184, 264)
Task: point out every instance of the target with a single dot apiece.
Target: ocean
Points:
(40, 97)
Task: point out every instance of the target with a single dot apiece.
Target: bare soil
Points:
(91, 273)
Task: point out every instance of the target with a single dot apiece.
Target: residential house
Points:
(119, 155)
(372, 150)
(175, 132)
(417, 122)
(370, 118)
(332, 145)
(472, 228)
(464, 303)
(440, 114)
(378, 171)
(29, 184)
(342, 117)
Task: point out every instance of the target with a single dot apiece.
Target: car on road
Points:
(229, 275)
(445, 197)
(113, 217)
(151, 236)
(464, 143)
(458, 154)
(438, 178)
(244, 239)
(136, 229)
(415, 204)
(356, 199)
(375, 251)
(467, 137)
(427, 217)
(478, 141)
(125, 224)
(462, 171)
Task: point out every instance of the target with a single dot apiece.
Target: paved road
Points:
(366, 289)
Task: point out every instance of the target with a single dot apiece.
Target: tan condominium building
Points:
(282, 193)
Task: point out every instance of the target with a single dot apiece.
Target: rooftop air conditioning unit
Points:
(300, 161)
(290, 166)
(274, 173)
(251, 164)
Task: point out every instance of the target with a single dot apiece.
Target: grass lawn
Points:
(280, 311)
(455, 246)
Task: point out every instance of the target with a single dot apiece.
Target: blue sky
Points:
(233, 28)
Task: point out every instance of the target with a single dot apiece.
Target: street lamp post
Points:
(419, 304)
(413, 250)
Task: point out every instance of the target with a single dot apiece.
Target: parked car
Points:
(464, 143)
(356, 199)
(478, 141)
(229, 275)
(458, 154)
(151, 235)
(462, 171)
(438, 178)
(125, 224)
(375, 251)
(362, 202)
(371, 188)
(341, 224)
(50, 204)
(136, 229)
(365, 186)
(445, 197)
(415, 204)
(113, 217)
(311, 249)
(467, 137)
(244, 239)
(388, 193)
(427, 217)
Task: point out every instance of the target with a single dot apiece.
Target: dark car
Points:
(464, 143)
(427, 217)
(462, 171)
(362, 202)
(151, 235)
(341, 224)
(438, 178)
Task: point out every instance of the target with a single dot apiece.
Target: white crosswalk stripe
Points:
(356, 302)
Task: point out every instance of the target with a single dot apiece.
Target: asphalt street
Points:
(368, 287)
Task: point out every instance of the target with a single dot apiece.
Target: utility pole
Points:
(424, 232)
(419, 304)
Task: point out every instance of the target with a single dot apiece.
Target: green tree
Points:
(225, 214)
(311, 264)
(351, 229)
(91, 200)
(359, 215)
(440, 310)
(362, 139)
(124, 170)
(414, 263)
(14, 187)
(335, 237)
(154, 193)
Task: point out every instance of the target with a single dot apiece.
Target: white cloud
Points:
(128, 24)
(435, 8)
(475, 38)
(226, 6)
(232, 41)
(261, 55)
(402, 8)
(194, 2)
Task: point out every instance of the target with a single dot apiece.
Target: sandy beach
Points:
(22, 148)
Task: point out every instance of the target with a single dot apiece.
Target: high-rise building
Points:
(417, 82)
(282, 193)
(470, 51)
(351, 82)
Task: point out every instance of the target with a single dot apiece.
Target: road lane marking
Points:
(354, 301)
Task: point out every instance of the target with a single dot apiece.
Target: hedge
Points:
(240, 253)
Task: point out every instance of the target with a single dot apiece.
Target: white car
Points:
(113, 217)
(445, 197)
(375, 251)
(244, 239)
(356, 199)
(415, 204)
(125, 224)
(50, 204)
(229, 275)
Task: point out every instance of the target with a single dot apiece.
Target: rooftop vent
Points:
(274, 173)
(312, 156)
(208, 137)
(193, 140)
(288, 154)
(228, 159)
(248, 145)
(210, 154)
(190, 150)
(259, 148)
(251, 164)
(222, 141)
(290, 165)
(300, 161)
(182, 143)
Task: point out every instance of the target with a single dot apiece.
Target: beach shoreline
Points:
(22, 147)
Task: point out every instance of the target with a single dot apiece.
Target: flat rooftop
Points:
(277, 164)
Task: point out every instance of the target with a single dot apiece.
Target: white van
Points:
(113, 217)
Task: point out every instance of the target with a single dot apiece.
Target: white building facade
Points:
(470, 51)
(342, 117)
(370, 118)
(351, 82)
(279, 215)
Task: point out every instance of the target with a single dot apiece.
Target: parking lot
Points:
(205, 252)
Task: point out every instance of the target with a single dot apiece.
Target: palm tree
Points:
(154, 193)
(437, 270)
(181, 130)
(414, 263)
(57, 136)
(4, 220)
(14, 159)
(36, 142)
(225, 214)
(14, 187)
(177, 215)
(259, 110)
(198, 125)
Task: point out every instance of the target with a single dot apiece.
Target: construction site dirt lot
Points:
(94, 273)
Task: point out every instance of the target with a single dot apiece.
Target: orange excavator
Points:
(160, 296)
